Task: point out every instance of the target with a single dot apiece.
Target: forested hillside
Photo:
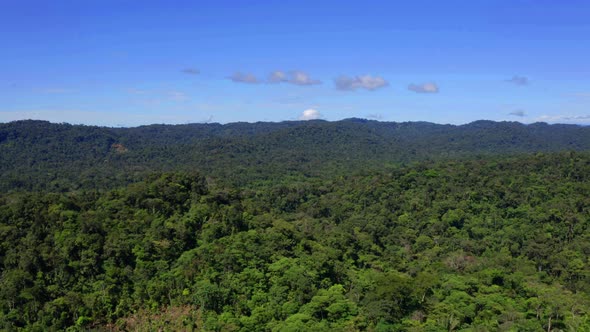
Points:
(484, 244)
(38, 155)
(327, 222)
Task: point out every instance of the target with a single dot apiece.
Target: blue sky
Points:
(128, 63)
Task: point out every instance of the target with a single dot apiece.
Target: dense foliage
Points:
(486, 244)
(38, 155)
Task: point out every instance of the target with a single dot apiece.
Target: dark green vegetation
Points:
(476, 236)
(38, 155)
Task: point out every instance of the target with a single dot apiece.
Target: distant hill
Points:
(41, 155)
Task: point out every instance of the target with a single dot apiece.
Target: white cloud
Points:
(518, 80)
(424, 88)
(208, 120)
(293, 77)
(239, 77)
(310, 114)
(520, 113)
(301, 78)
(277, 76)
(367, 82)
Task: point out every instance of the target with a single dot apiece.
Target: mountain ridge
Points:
(43, 154)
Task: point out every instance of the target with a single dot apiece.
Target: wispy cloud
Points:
(296, 77)
(240, 77)
(208, 120)
(310, 114)
(374, 116)
(366, 82)
(424, 88)
(571, 119)
(302, 78)
(519, 113)
(191, 71)
(277, 76)
(518, 80)
(579, 117)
